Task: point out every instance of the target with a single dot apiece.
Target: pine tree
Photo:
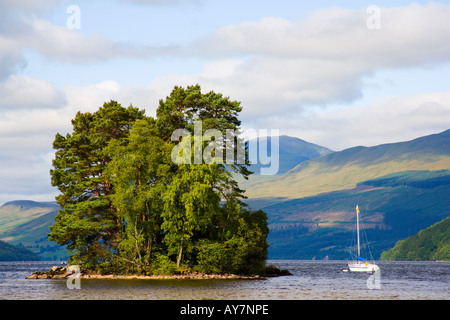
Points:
(88, 223)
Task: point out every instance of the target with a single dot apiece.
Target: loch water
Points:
(318, 280)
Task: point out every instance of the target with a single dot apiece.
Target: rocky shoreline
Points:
(60, 272)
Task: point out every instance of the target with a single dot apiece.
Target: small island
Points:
(62, 272)
(157, 197)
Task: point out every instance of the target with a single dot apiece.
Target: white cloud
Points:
(69, 45)
(387, 120)
(342, 35)
(27, 132)
(10, 57)
(13, 28)
(27, 5)
(284, 72)
(91, 97)
(25, 164)
(291, 64)
(323, 59)
(21, 29)
(20, 91)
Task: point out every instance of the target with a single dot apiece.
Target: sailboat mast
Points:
(357, 227)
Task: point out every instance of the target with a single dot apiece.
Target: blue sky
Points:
(312, 69)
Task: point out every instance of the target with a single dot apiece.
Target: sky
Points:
(336, 73)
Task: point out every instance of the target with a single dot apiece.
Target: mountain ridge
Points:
(344, 169)
(292, 151)
(402, 184)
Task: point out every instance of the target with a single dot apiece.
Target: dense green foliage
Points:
(9, 252)
(128, 208)
(432, 243)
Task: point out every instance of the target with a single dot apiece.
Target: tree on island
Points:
(128, 208)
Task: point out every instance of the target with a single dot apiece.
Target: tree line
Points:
(126, 207)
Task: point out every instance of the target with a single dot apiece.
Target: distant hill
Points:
(401, 188)
(432, 243)
(291, 152)
(393, 207)
(9, 252)
(344, 169)
(26, 223)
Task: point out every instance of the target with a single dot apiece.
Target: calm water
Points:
(310, 280)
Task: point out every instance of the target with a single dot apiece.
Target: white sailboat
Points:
(357, 263)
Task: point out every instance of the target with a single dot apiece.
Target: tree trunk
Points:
(180, 254)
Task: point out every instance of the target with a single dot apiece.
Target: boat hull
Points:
(362, 267)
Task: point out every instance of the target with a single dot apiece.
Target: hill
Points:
(291, 152)
(313, 216)
(393, 207)
(9, 252)
(345, 169)
(26, 223)
(420, 179)
(432, 243)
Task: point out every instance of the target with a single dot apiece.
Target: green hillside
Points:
(9, 252)
(322, 225)
(26, 223)
(432, 243)
(291, 152)
(412, 178)
(345, 169)
(16, 213)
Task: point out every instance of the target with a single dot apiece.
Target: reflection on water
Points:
(310, 280)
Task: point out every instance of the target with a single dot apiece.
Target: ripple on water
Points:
(310, 280)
